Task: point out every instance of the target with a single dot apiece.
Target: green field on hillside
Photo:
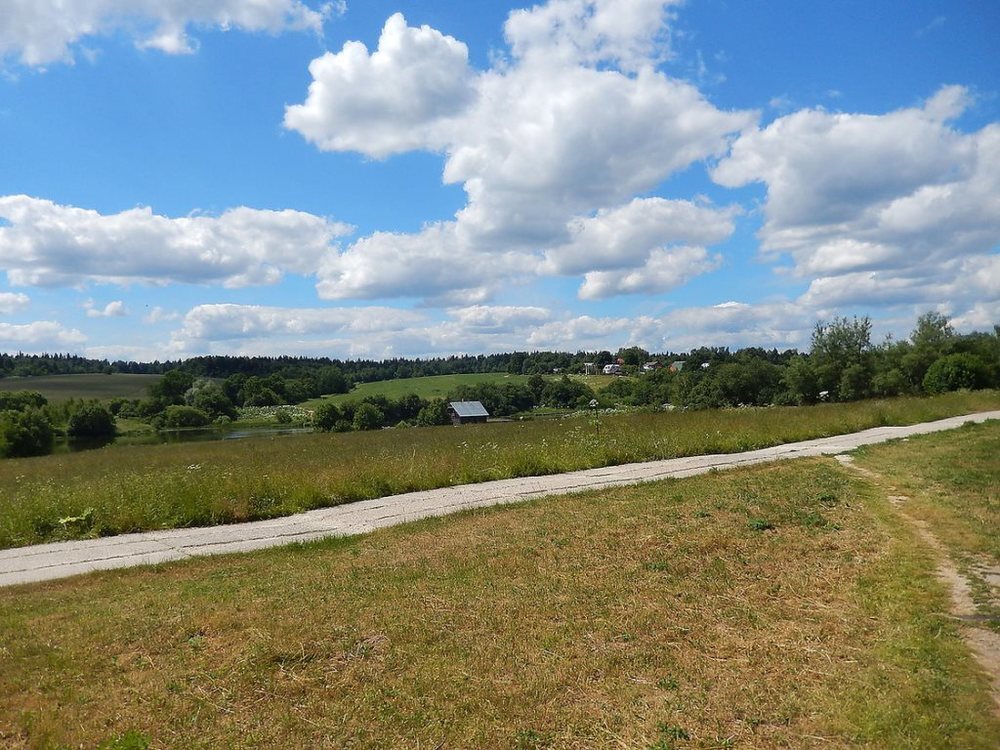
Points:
(432, 386)
(438, 386)
(779, 606)
(64, 387)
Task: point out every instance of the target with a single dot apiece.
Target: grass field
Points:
(130, 488)
(438, 386)
(64, 387)
(953, 487)
(434, 386)
(784, 606)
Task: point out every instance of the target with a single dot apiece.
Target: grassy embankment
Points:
(779, 606)
(129, 488)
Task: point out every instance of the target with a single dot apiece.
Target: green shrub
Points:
(21, 400)
(25, 433)
(327, 415)
(208, 396)
(435, 413)
(955, 371)
(368, 417)
(90, 419)
(184, 416)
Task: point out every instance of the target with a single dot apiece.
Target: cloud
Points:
(663, 271)
(216, 322)
(401, 97)
(39, 336)
(370, 331)
(582, 332)
(961, 283)
(12, 302)
(499, 319)
(548, 146)
(625, 236)
(430, 264)
(737, 324)
(160, 315)
(47, 244)
(629, 33)
(114, 309)
(848, 192)
(982, 316)
(39, 32)
(877, 209)
(374, 331)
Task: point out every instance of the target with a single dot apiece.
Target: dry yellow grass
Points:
(781, 606)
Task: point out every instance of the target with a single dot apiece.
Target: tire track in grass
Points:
(982, 642)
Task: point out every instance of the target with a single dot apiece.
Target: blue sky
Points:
(420, 178)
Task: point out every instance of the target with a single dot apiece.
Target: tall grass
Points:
(131, 488)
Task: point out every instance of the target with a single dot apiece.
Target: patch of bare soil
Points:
(984, 643)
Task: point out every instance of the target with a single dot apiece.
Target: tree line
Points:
(843, 364)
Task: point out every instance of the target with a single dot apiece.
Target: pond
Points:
(66, 445)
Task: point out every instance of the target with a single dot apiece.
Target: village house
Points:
(467, 412)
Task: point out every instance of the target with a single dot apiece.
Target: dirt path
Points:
(983, 642)
(62, 559)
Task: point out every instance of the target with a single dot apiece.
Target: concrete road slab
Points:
(62, 559)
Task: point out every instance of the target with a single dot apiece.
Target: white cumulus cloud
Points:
(549, 146)
(160, 315)
(228, 321)
(115, 309)
(11, 302)
(626, 32)
(402, 96)
(854, 192)
(39, 336)
(499, 318)
(664, 270)
(45, 243)
(39, 32)
(781, 325)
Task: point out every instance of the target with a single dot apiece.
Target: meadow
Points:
(120, 489)
(778, 606)
(432, 386)
(57, 388)
(953, 488)
(439, 386)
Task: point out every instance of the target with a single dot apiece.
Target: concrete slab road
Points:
(61, 559)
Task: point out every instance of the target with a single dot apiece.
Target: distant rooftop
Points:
(469, 408)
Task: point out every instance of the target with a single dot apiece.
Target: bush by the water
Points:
(91, 419)
(25, 433)
(184, 416)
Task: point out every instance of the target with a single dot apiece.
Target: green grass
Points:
(64, 387)
(133, 488)
(434, 386)
(655, 616)
(438, 386)
(953, 488)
